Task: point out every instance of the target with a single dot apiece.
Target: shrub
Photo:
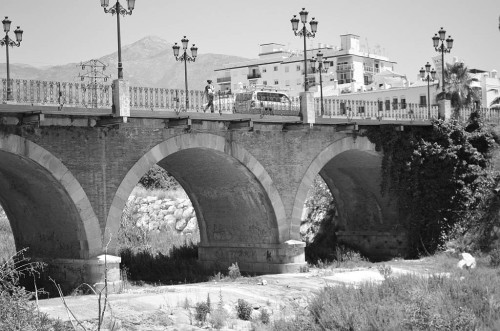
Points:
(17, 312)
(202, 310)
(243, 310)
(265, 317)
(158, 178)
(234, 271)
(495, 257)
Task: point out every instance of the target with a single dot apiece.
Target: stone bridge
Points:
(66, 175)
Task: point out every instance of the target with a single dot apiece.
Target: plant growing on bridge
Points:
(441, 177)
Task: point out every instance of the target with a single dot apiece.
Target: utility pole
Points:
(95, 75)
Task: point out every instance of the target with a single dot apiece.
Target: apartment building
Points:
(348, 68)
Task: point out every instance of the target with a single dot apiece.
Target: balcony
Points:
(344, 67)
(223, 79)
(254, 75)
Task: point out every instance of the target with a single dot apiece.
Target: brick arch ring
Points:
(20, 146)
(196, 140)
(325, 156)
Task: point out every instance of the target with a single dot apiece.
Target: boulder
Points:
(169, 219)
(181, 224)
(467, 261)
(178, 213)
(191, 225)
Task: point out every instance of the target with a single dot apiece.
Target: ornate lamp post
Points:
(442, 48)
(118, 10)
(185, 58)
(428, 75)
(9, 42)
(305, 34)
(322, 67)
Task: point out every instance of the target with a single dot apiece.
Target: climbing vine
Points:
(440, 176)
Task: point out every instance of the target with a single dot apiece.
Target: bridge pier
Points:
(72, 273)
(255, 258)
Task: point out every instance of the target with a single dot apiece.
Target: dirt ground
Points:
(165, 307)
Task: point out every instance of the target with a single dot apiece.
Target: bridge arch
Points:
(350, 147)
(183, 156)
(48, 209)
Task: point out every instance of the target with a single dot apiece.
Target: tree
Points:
(460, 87)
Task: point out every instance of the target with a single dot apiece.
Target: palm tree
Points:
(460, 87)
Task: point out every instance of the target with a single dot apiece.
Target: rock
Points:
(181, 224)
(467, 261)
(263, 282)
(151, 199)
(171, 209)
(191, 225)
(169, 219)
(187, 213)
(178, 213)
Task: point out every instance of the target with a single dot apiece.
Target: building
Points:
(349, 68)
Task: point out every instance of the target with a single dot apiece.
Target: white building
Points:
(349, 68)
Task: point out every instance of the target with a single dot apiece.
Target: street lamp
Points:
(118, 10)
(9, 42)
(442, 48)
(428, 75)
(322, 67)
(185, 58)
(306, 34)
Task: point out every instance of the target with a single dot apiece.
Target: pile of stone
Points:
(157, 214)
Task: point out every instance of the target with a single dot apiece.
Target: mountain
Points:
(148, 62)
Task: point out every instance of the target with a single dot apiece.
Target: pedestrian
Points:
(209, 93)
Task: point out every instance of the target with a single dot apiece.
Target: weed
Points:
(186, 304)
(384, 270)
(265, 317)
(243, 310)
(234, 271)
(202, 310)
(219, 316)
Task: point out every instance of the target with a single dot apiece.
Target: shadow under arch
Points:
(48, 209)
(237, 165)
(338, 147)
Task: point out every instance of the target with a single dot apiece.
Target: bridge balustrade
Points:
(76, 94)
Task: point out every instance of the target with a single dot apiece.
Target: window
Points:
(342, 108)
(361, 109)
(264, 70)
(264, 82)
(380, 105)
(423, 100)
(394, 103)
(287, 83)
(276, 82)
(403, 103)
(299, 81)
(287, 69)
(275, 68)
(387, 104)
(298, 67)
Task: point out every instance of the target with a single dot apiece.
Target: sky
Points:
(70, 31)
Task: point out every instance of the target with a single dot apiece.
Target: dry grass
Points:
(7, 244)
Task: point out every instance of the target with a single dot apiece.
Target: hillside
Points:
(147, 62)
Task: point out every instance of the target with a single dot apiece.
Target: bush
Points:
(17, 312)
(158, 178)
(243, 310)
(234, 271)
(202, 310)
(495, 257)
(265, 317)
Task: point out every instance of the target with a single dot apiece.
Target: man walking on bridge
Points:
(209, 93)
